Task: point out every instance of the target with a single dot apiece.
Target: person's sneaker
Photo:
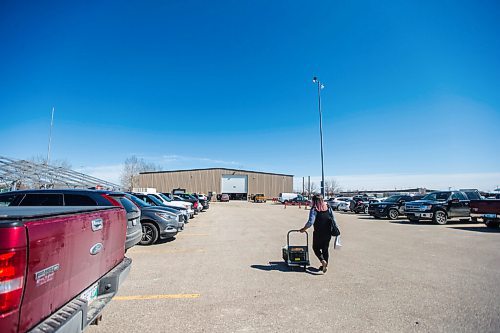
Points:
(324, 265)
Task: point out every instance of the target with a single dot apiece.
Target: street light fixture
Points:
(321, 86)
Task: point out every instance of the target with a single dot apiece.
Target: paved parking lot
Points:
(224, 273)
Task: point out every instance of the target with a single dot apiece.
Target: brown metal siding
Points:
(210, 180)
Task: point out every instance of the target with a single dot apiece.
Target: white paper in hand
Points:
(337, 245)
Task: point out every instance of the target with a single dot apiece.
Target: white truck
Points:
(286, 197)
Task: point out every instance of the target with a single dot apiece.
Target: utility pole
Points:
(309, 191)
(303, 185)
(50, 136)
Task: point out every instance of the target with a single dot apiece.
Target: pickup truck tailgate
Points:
(488, 206)
(67, 254)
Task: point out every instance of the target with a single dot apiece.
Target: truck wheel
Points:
(440, 217)
(492, 223)
(393, 214)
(366, 210)
(149, 233)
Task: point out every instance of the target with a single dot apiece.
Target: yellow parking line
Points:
(170, 251)
(145, 297)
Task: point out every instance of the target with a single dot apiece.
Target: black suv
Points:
(439, 207)
(392, 207)
(79, 197)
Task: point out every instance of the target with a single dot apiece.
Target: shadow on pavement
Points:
(484, 229)
(281, 266)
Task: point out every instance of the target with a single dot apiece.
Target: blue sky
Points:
(412, 88)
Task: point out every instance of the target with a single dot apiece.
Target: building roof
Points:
(188, 170)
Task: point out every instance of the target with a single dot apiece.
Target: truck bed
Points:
(69, 249)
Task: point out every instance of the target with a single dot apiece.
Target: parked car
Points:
(300, 199)
(286, 197)
(335, 202)
(154, 201)
(392, 207)
(224, 197)
(344, 206)
(171, 203)
(259, 198)
(59, 266)
(158, 222)
(79, 197)
(439, 207)
(203, 200)
(197, 207)
(487, 210)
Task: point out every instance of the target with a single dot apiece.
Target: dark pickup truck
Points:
(439, 207)
(487, 210)
(59, 266)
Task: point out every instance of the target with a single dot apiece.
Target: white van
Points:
(285, 197)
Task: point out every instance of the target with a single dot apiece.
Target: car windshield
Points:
(393, 198)
(437, 196)
(473, 195)
(155, 200)
(138, 202)
(164, 197)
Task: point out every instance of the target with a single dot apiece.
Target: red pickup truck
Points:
(59, 266)
(488, 210)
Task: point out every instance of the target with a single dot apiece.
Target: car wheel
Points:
(440, 217)
(492, 223)
(393, 214)
(149, 233)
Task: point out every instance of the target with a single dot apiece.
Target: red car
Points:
(224, 197)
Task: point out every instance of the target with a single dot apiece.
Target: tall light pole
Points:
(321, 86)
(50, 137)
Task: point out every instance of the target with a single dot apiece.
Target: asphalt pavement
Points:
(224, 273)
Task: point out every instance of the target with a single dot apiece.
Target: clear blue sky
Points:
(412, 87)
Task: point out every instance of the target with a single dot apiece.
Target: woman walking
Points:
(320, 217)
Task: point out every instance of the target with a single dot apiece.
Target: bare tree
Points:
(331, 186)
(39, 159)
(131, 168)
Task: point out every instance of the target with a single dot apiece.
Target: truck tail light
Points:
(12, 268)
(113, 201)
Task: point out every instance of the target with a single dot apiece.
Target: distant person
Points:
(322, 218)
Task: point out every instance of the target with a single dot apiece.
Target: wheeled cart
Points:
(296, 255)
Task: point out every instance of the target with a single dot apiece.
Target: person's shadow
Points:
(281, 266)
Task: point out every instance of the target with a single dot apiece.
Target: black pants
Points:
(320, 247)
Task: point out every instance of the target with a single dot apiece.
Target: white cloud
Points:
(481, 181)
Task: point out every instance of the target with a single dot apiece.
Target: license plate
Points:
(490, 216)
(90, 294)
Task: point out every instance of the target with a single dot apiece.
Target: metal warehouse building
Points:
(236, 183)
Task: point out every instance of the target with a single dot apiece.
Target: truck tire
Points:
(492, 223)
(440, 217)
(393, 214)
(366, 210)
(149, 233)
